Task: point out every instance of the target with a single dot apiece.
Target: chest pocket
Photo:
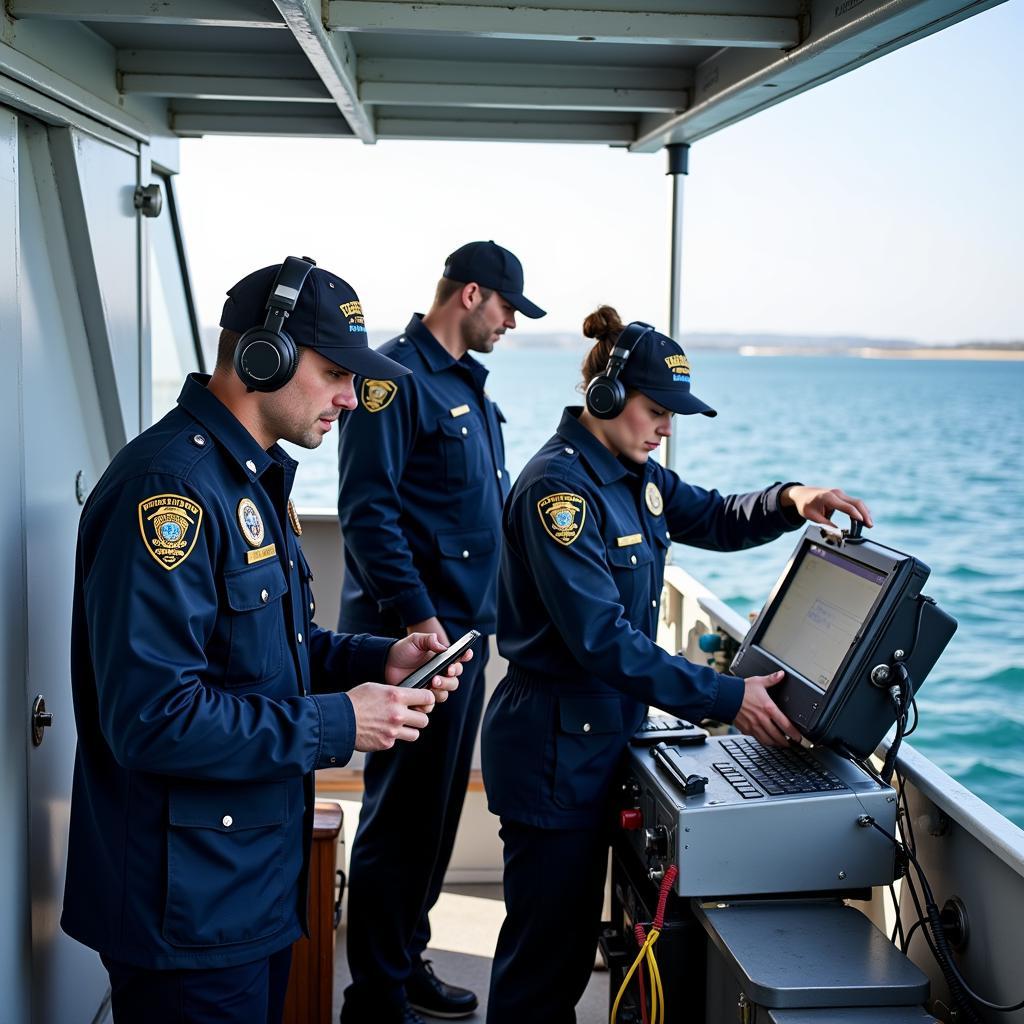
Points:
(257, 626)
(464, 448)
(631, 570)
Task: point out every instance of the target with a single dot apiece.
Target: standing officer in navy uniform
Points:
(586, 532)
(205, 695)
(421, 482)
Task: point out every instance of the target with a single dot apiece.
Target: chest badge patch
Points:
(251, 522)
(654, 500)
(563, 516)
(169, 524)
(377, 394)
(293, 519)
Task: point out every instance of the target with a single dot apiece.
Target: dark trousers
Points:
(412, 800)
(554, 891)
(248, 994)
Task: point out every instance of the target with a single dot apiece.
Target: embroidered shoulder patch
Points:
(562, 516)
(169, 524)
(377, 394)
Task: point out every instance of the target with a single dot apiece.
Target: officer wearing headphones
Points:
(205, 694)
(587, 529)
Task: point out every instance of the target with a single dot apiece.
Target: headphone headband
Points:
(606, 395)
(266, 357)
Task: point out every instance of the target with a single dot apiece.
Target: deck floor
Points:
(464, 927)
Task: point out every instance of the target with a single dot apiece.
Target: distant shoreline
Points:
(867, 352)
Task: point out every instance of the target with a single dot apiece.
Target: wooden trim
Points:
(333, 781)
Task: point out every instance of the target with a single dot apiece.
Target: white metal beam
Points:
(468, 72)
(613, 134)
(220, 13)
(306, 126)
(516, 22)
(200, 62)
(333, 58)
(521, 97)
(219, 87)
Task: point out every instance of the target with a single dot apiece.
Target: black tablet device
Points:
(420, 678)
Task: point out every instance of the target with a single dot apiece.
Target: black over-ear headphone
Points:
(606, 394)
(266, 357)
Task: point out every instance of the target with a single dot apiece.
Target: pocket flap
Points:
(585, 715)
(465, 543)
(246, 587)
(459, 426)
(630, 557)
(228, 808)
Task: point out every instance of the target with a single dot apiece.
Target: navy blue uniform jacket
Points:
(421, 481)
(583, 559)
(204, 698)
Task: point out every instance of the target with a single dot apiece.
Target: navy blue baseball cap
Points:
(489, 265)
(658, 368)
(328, 318)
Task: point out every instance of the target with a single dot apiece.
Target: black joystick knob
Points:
(856, 529)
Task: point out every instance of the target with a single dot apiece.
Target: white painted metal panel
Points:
(15, 967)
(63, 435)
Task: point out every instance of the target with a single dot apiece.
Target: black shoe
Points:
(427, 993)
(410, 1016)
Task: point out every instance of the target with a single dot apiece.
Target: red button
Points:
(631, 820)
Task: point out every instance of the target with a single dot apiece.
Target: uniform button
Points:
(310, 605)
(654, 604)
(499, 474)
(465, 554)
(586, 727)
(300, 638)
(465, 430)
(291, 563)
(264, 596)
(632, 558)
(569, 451)
(668, 535)
(250, 465)
(334, 760)
(199, 440)
(227, 821)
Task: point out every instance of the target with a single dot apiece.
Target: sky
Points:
(885, 204)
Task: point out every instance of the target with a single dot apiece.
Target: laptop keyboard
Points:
(777, 770)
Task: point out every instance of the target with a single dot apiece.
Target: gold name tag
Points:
(459, 410)
(259, 554)
(633, 538)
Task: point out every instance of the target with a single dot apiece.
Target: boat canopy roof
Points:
(632, 73)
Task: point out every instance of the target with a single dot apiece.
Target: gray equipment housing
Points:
(725, 845)
(806, 962)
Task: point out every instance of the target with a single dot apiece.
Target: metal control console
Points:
(738, 819)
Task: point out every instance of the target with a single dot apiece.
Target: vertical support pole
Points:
(678, 168)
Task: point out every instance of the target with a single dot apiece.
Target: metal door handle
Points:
(41, 719)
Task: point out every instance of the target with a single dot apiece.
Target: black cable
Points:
(939, 945)
(897, 930)
(917, 718)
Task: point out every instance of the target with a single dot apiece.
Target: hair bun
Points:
(604, 324)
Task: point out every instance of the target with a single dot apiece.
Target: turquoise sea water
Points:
(935, 448)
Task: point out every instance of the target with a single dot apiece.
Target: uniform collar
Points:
(436, 356)
(200, 403)
(607, 468)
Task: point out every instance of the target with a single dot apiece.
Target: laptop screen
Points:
(822, 612)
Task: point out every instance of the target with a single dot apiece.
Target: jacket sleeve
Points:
(579, 592)
(373, 448)
(148, 627)
(339, 661)
(706, 519)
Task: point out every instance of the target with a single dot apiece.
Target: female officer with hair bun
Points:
(586, 530)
